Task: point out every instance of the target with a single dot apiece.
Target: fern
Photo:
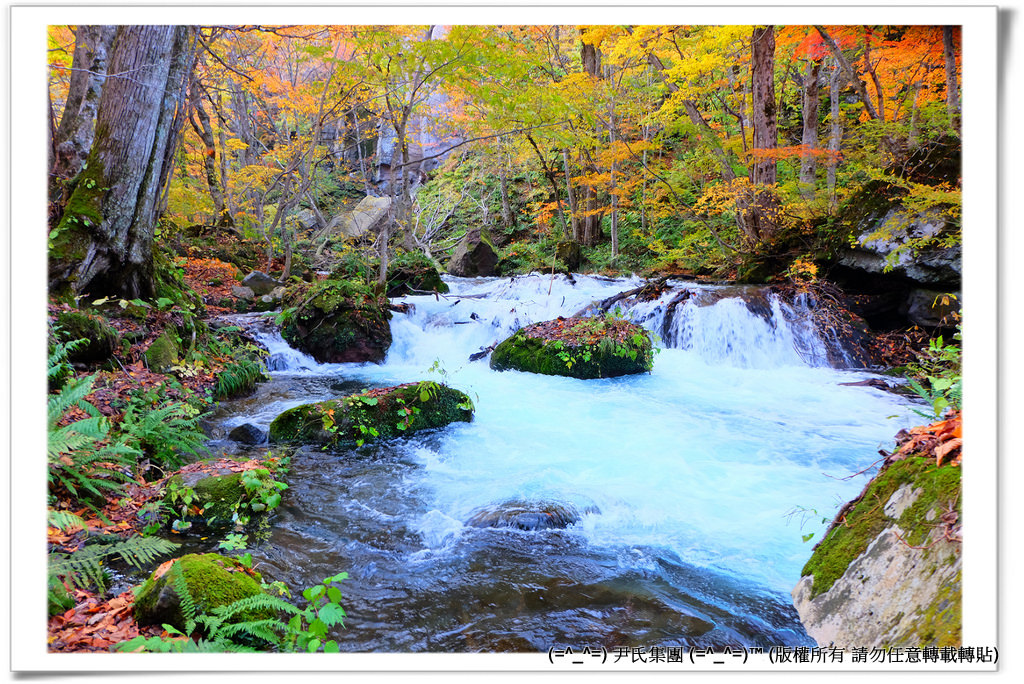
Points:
(84, 567)
(162, 433)
(239, 376)
(79, 459)
(64, 521)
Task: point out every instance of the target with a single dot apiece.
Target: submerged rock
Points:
(577, 347)
(247, 433)
(890, 574)
(374, 414)
(338, 321)
(527, 516)
(212, 580)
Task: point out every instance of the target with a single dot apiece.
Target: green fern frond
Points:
(63, 520)
(84, 567)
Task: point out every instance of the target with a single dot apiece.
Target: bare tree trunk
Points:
(763, 170)
(573, 215)
(104, 242)
(869, 69)
(205, 131)
(836, 136)
(810, 133)
(952, 91)
(848, 71)
(74, 135)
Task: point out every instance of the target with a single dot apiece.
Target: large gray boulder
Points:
(260, 283)
(881, 245)
(364, 217)
(475, 255)
(889, 574)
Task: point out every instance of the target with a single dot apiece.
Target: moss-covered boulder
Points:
(888, 573)
(220, 497)
(212, 580)
(163, 352)
(338, 321)
(577, 347)
(78, 325)
(413, 271)
(475, 255)
(374, 414)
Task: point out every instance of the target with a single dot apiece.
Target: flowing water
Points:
(689, 489)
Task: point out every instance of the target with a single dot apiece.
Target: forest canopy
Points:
(654, 148)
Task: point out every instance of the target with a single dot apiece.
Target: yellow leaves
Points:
(235, 145)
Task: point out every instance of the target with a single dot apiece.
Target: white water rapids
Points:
(737, 444)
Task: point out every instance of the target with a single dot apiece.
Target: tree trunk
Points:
(809, 139)
(205, 131)
(836, 137)
(104, 243)
(74, 135)
(761, 221)
(573, 214)
(952, 91)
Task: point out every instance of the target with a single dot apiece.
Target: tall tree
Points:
(952, 91)
(73, 137)
(763, 170)
(103, 244)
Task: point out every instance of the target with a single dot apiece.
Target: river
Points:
(691, 487)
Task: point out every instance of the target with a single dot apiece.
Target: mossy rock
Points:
(577, 347)
(103, 338)
(163, 352)
(338, 321)
(413, 271)
(212, 581)
(866, 517)
(374, 414)
(219, 494)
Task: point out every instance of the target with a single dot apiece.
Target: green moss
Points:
(850, 537)
(372, 415)
(338, 321)
(103, 339)
(212, 580)
(85, 206)
(163, 351)
(604, 357)
(941, 622)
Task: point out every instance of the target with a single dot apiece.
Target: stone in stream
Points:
(260, 283)
(212, 580)
(577, 347)
(373, 414)
(520, 515)
(338, 321)
(247, 433)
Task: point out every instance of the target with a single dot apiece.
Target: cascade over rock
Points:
(475, 255)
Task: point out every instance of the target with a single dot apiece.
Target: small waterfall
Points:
(740, 326)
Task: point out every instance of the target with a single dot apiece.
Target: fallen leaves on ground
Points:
(94, 624)
(942, 440)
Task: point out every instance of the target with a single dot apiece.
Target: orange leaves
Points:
(94, 625)
(942, 439)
